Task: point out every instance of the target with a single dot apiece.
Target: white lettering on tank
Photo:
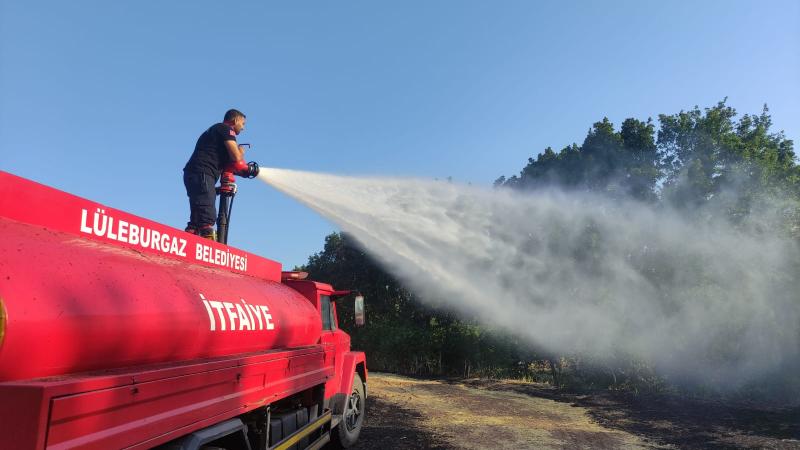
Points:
(257, 316)
(134, 234)
(96, 224)
(244, 322)
(267, 317)
(122, 231)
(155, 242)
(145, 242)
(84, 228)
(111, 234)
(217, 257)
(211, 320)
(231, 314)
(249, 313)
(107, 226)
(218, 306)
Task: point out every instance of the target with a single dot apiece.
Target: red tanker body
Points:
(101, 307)
(119, 332)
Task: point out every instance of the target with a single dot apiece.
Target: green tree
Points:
(641, 159)
(699, 160)
(611, 162)
(708, 157)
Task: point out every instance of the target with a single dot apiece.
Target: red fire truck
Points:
(119, 332)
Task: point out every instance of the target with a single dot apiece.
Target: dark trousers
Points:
(202, 199)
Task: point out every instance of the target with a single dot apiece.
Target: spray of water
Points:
(579, 273)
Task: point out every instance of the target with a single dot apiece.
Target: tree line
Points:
(685, 161)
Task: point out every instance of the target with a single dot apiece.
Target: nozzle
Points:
(252, 170)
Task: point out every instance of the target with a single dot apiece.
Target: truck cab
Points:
(347, 408)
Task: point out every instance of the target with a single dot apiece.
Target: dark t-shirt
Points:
(210, 154)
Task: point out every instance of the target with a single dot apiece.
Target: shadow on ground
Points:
(675, 421)
(388, 426)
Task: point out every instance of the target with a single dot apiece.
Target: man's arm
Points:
(236, 152)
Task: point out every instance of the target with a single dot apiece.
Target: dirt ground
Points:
(407, 413)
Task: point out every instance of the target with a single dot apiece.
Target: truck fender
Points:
(351, 362)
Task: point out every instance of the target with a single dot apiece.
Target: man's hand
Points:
(239, 166)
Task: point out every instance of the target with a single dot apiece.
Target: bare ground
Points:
(408, 413)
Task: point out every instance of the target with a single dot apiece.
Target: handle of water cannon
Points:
(236, 167)
(227, 182)
(244, 147)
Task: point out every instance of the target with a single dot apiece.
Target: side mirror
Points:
(359, 310)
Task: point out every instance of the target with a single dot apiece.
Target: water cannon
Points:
(251, 171)
(227, 191)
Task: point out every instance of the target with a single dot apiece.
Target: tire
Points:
(347, 432)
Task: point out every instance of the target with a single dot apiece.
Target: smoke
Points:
(575, 273)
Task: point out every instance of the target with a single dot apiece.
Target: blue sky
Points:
(106, 99)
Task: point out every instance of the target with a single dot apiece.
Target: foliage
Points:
(695, 158)
(705, 154)
(617, 163)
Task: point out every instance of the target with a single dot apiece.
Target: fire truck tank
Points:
(71, 304)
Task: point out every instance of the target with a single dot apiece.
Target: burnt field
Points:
(409, 413)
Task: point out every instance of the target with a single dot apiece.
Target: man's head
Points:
(235, 119)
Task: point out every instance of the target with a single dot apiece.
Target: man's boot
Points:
(208, 232)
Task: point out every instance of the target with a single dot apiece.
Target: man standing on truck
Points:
(215, 150)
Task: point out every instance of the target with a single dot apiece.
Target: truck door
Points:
(331, 334)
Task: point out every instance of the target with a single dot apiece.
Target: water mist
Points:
(703, 301)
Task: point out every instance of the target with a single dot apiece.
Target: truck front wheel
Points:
(353, 416)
